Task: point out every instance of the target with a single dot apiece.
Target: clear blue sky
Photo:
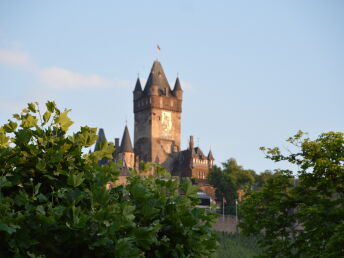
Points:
(253, 72)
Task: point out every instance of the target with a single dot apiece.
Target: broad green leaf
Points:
(75, 195)
(63, 120)
(10, 229)
(189, 189)
(10, 127)
(31, 107)
(87, 137)
(37, 186)
(23, 136)
(66, 146)
(4, 182)
(51, 106)
(41, 165)
(4, 140)
(29, 121)
(46, 116)
(75, 179)
(40, 210)
(16, 116)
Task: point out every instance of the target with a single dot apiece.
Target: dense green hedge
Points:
(53, 200)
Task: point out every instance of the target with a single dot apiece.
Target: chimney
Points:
(191, 143)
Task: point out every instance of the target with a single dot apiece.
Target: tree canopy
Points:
(303, 217)
(54, 203)
(229, 179)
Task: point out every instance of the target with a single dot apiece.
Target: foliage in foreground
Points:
(236, 245)
(305, 219)
(53, 200)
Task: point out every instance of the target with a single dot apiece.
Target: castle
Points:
(157, 115)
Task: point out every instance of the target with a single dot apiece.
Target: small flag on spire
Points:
(158, 47)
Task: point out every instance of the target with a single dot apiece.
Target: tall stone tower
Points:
(157, 112)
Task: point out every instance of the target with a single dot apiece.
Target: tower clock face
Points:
(166, 124)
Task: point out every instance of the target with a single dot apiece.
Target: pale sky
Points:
(253, 72)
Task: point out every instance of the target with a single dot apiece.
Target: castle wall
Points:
(157, 128)
(128, 158)
(142, 135)
(165, 135)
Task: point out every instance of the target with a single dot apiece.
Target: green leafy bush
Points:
(53, 200)
(303, 217)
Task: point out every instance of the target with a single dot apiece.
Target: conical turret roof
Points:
(101, 138)
(138, 85)
(126, 142)
(177, 85)
(210, 155)
(157, 77)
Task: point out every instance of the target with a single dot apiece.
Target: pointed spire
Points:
(157, 77)
(177, 85)
(126, 142)
(138, 85)
(101, 138)
(210, 155)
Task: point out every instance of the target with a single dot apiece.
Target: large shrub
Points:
(54, 203)
(301, 217)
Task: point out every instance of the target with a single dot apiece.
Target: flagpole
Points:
(157, 51)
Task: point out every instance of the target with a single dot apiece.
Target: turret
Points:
(126, 142)
(101, 138)
(177, 91)
(99, 143)
(138, 90)
(126, 152)
(210, 159)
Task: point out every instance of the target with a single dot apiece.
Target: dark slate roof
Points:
(101, 138)
(138, 85)
(157, 77)
(182, 163)
(198, 152)
(126, 142)
(210, 155)
(177, 85)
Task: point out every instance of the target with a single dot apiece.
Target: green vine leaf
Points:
(46, 116)
(29, 121)
(63, 120)
(10, 127)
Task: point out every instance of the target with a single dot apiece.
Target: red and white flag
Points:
(158, 47)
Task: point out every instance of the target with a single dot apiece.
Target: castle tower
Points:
(101, 139)
(157, 112)
(126, 152)
(210, 159)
